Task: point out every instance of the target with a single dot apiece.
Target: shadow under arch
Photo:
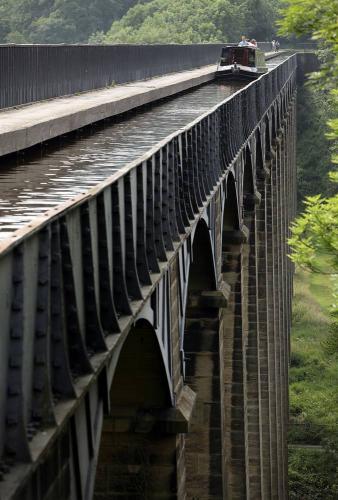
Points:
(260, 341)
(234, 236)
(260, 164)
(202, 272)
(203, 445)
(274, 124)
(230, 211)
(249, 286)
(137, 456)
(267, 139)
(140, 365)
(248, 178)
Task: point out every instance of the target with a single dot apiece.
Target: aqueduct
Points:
(146, 323)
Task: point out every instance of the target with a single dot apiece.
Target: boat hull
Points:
(239, 74)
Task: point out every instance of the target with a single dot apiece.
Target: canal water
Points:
(38, 180)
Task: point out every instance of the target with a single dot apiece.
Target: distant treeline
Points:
(57, 21)
(136, 21)
(313, 148)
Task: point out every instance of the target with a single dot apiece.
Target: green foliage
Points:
(315, 232)
(57, 21)
(318, 19)
(313, 437)
(194, 21)
(312, 474)
(260, 19)
(143, 21)
(313, 148)
(330, 344)
(181, 22)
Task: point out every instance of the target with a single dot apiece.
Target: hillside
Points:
(57, 21)
(135, 21)
(193, 21)
(313, 438)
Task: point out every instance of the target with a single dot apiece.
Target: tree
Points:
(139, 21)
(57, 21)
(314, 240)
(194, 21)
(315, 232)
(313, 147)
(319, 20)
(260, 19)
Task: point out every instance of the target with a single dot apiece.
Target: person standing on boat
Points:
(273, 43)
(244, 42)
(277, 45)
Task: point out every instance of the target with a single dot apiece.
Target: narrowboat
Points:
(241, 63)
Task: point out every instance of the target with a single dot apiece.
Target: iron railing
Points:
(30, 73)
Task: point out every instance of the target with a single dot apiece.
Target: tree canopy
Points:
(319, 19)
(313, 148)
(57, 21)
(194, 21)
(135, 21)
(315, 232)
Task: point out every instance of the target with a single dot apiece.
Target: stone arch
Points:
(279, 111)
(137, 456)
(260, 164)
(233, 443)
(203, 446)
(202, 278)
(273, 123)
(230, 220)
(140, 362)
(260, 311)
(249, 313)
(248, 186)
(267, 137)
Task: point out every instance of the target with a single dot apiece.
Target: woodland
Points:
(135, 21)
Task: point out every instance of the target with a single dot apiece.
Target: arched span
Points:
(273, 122)
(267, 136)
(259, 151)
(155, 313)
(198, 253)
(140, 378)
(134, 433)
(230, 209)
(278, 112)
(248, 178)
(202, 270)
(233, 237)
(201, 344)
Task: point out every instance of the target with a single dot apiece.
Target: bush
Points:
(312, 474)
(330, 344)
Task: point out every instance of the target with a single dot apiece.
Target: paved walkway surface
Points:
(25, 126)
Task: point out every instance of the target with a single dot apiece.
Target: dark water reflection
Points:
(31, 185)
(36, 182)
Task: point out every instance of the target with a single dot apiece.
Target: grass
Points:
(313, 392)
(313, 374)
